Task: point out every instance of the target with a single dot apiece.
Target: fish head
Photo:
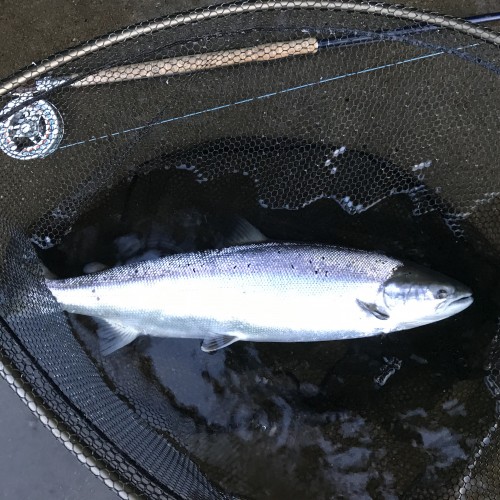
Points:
(415, 296)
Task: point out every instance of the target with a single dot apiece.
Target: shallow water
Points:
(378, 417)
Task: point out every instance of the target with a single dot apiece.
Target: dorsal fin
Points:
(241, 232)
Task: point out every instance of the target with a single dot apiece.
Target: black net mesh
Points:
(355, 127)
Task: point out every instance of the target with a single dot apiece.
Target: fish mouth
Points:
(456, 304)
(460, 303)
(466, 300)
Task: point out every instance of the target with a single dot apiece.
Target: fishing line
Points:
(265, 96)
(32, 127)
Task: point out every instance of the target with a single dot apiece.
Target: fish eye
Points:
(442, 293)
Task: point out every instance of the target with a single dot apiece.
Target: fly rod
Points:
(33, 128)
(260, 53)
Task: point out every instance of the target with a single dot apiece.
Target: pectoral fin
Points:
(217, 342)
(373, 309)
(113, 336)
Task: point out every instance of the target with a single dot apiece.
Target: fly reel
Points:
(36, 130)
(33, 131)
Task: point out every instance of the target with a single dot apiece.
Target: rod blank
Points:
(260, 53)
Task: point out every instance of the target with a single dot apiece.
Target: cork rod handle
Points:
(211, 60)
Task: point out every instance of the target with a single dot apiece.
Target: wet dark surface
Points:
(34, 464)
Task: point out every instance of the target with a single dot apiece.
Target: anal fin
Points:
(216, 342)
(113, 335)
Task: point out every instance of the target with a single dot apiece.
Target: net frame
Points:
(124, 482)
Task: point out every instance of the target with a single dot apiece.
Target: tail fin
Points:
(47, 273)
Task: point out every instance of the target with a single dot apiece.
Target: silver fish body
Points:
(265, 292)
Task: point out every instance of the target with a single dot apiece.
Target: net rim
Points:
(225, 10)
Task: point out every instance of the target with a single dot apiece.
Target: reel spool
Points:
(32, 132)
